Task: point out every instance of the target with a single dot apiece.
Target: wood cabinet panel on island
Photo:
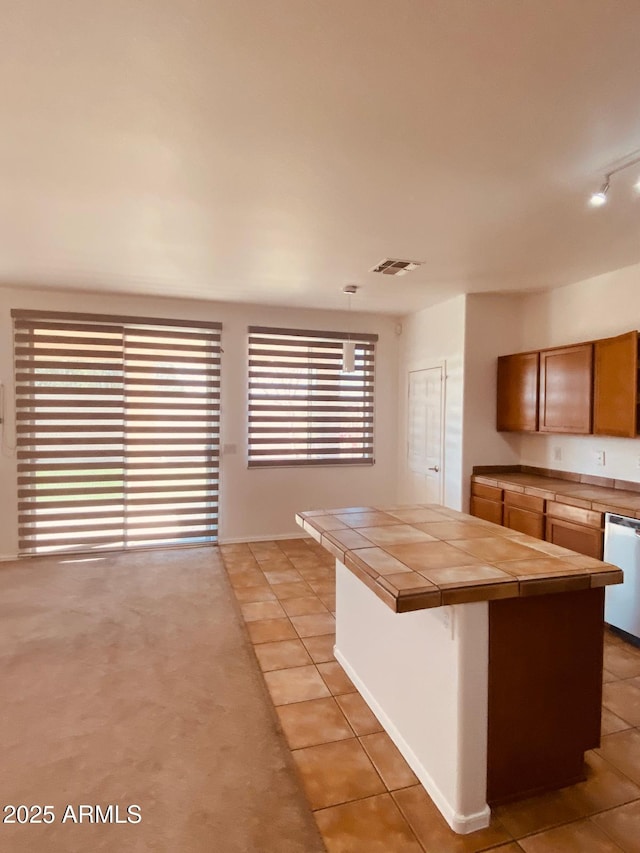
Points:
(536, 663)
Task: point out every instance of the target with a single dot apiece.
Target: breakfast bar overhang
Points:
(478, 648)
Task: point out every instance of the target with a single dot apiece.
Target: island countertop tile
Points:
(426, 555)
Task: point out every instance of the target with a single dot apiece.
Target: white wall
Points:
(436, 713)
(254, 503)
(468, 333)
(429, 338)
(493, 326)
(595, 308)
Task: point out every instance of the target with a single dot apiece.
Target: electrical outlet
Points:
(557, 454)
(638, 461)
(599, 457)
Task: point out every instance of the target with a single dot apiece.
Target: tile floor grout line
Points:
(406, 817)
(356, 737)
(388, 790)
(609, 836)
(620, 773)
(571, 822)
(286, 616)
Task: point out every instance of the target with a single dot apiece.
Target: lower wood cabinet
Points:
(576, 537)
(524, 513)
(525, 521)
(575, 528)
(488, 510)
(572, 527)
(486, 502)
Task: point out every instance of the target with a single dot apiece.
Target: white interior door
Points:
(425, 435)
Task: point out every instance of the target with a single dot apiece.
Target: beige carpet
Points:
(128, 680)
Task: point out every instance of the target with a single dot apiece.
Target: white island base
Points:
(424, 674)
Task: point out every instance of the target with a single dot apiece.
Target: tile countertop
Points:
(582, 494)
(415, 557)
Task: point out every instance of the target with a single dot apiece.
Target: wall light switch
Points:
(599, 457)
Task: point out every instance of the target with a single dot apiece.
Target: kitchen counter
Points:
(426, 556)
(478, 648)
(583, 492)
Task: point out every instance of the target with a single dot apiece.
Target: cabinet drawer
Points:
(576, 537)
(491, 493)
(530, 502)
(576, 514)
(488, 510)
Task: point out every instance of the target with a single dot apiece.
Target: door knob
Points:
(435, 468)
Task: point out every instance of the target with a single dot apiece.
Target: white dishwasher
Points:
(622, 549)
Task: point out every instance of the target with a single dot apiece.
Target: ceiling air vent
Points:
(393, 266)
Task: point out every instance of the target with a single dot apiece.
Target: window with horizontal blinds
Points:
(117, 424)
(303, 408)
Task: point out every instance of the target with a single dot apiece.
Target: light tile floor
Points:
(365, 797)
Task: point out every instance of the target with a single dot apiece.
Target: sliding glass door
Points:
(118, 431)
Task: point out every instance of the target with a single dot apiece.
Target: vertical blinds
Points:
(303, 409)
(117, 431)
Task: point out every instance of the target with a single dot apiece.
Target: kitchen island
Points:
(478, 648)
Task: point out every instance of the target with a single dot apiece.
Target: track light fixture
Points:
(600, 197)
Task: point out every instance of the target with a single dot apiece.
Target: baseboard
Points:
(460, 823)
(272, 538)
(4, 558)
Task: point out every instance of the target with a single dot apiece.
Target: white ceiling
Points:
(273, 151)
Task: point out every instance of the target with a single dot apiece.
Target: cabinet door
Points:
(566, 389)
(531, 523)
(489, 510)
(517, 393)
(584, 540)
(615, 385)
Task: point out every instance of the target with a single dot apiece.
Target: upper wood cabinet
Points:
(517, 396)
(584, 388)
(615, 387)
(566, 389)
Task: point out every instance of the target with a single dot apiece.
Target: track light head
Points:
(600, 198)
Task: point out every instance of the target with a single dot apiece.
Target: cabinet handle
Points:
(435, 468)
